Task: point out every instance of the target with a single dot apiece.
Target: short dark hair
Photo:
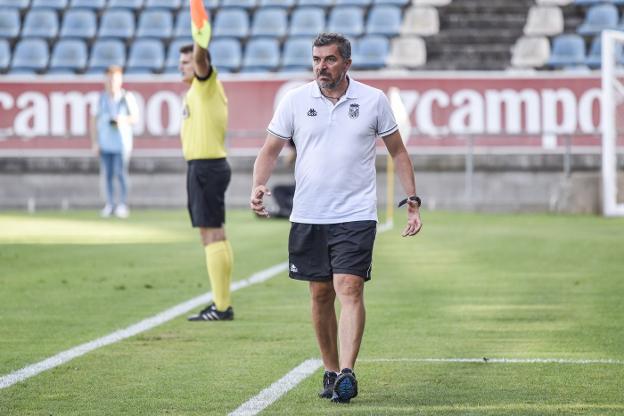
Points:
(326, 38)
(188, 48)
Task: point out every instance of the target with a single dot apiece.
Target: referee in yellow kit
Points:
(204, 123)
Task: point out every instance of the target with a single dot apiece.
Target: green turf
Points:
(470, 286)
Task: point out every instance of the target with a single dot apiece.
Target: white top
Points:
(335, 168)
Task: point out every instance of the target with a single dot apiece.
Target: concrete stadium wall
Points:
(496, 183)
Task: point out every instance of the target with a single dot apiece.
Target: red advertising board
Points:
(495, 109)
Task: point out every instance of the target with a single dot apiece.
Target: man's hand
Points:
(256, 204)
(414, 224)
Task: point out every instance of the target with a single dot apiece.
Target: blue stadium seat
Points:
(261, 54)
(146, 55)
(155, 23)
(384, 20)
(400, 3)
(297, 55)
(88, 4)
(79, 23)
(9, 23)
(599, 18)
(371, 52)
(117, 23)
(271, 21)
(359, 3)
(173, 53)
(244, 4)
(125, 4)
(231, 23)
(30, 54)
(567, 51)
(49, 4)
(171, 5)
(41, 23)
(15, 4)
(227, 54)
(69, 54)
(307, 21)
(286, 4)
(107, 52)
(588, 2)
(208, 4)
(317, 3)
(594, 57)
(182, 25)
(5, 55)
(348, 20)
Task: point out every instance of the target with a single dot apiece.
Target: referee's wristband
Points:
(410, 198)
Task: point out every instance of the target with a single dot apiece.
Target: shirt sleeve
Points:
(281, 124)
(131, 102)
(386, 123)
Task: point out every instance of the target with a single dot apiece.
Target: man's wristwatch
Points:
(411, 198)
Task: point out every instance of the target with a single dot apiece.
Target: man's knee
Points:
(211, 235)
(349, 286)
(322, 292)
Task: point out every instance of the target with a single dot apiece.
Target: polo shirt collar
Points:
(350, 93)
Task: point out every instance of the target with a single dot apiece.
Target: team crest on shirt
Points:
(312, 112)
(354, 110)
(185, 111)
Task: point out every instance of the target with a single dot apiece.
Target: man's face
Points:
(330, 68)
(114, 82)
(185, 67)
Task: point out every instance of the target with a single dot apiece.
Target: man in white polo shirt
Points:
(334, 122)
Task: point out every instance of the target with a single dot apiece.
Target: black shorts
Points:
(318, 251)
(206, 182)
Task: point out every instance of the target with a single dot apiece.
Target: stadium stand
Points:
(155, 23)
(231, 22)
(133, 5)
(261, 55)
(420, 21)
(87, 4)
(146, 55)
(117, 23)
(530, 52)
(286, 4)
(30, 55)
(384, 20)
(50, 4)
(227, 54)
(307, 21)
(5, 55)
(170, 5)
(544, 21)
(407, 53)
(271, 21)
(106, 52)
(348, 20)
(599, 18)
(371, 52)
(68, 56)
(9, 23)
(243, 4)
(79, 23)
(568, 51)
(17, 4)
(297, 56)
(41, 23)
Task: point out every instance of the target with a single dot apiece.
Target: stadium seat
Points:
(49, 4)
(208, 4)
(435, 3)
(5, 55)
(106, 52)
(297, 55)
(600, 17)
(155, 23)
(87, 4)
(567, 51)
(227, 54)
(371, 52)
(243, 4)
(271, 21)
(384, 20)
(407, 53)
(589, 2)
(400, 3)
(359, 3)
(15, 4)
(348, 20)
(40, 23)
(182, 24)
(30, 54)
(530, 52)
(232, 22)
(286, 4)
(69, 54)
(316, 3)
(421, 21)
(173, 53)
(261, 54)
(9, 23)
(307, 21)
(125, 4)
(146, 56)
(117, 23)
(79, 23)
(544, 21)
(554, 2)
(594, 57)
(171, 5)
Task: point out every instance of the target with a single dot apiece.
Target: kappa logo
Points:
(294, 268)
(354, 110)
(312, 112)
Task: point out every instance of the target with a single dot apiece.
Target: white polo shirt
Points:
(335, 169)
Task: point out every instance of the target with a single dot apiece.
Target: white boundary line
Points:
(146, 324)
(486, 360)
(276, 390)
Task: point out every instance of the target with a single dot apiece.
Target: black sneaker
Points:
(210, 313)
(345, 387)
(329, 378)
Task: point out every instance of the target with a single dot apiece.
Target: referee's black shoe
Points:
(329, 378)
(210, 313)
(345, 387)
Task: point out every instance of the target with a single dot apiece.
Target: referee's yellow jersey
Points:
(204, 120)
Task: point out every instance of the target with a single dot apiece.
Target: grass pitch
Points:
(469, 286)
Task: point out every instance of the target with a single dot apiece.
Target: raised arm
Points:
(263, 167)
(405, 171)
